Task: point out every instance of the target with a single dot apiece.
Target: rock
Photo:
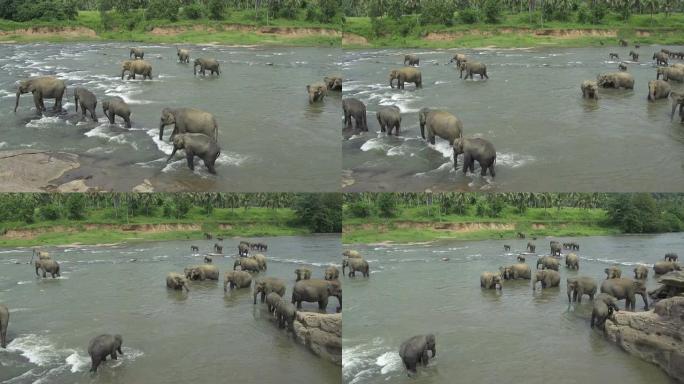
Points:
(74, 186)
(30, 170)
(655, 336)
(144, 187)
(671, 285)
(322, 333)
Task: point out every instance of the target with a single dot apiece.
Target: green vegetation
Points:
(51, 219)
(416, 217)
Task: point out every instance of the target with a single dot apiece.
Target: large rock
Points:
(30, 170)
(655, 336)
(322, 333)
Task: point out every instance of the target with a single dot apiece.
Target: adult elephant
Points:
(302, 274)
(87, 100)
(439, 123)
(357, 109)
(352, 254)
(266, 285)
(670, 73)
(333, 83)
(44, 87)
(206, 64)
(472, 68)
(136, 53)
(183, 55)
(406, 75)
(136, 67)
(458, 58)
(616, 80)
(491, 280)
(548, 278)
(640, 272)
(272, 301)
(102, 346)
(415, 350)
(475, 149)
(47, 266)
(243, 249)
(236, 279)
(548, 262)
(658, 89)
(661, 58)
(531, 247)
(202, 272)
(579, 286)
(589, 89)
(247, 264)
(613, 272)
(261, 261)
(188, 120)
(625, 288)
(317, 91)
(604, 306)
(332, 273)
(572, 261)
(663, 267)
(677, 101)
(176, 281)
(116, 106)
(389, 118)
(4, 321)
(316, 290)
(354, 265)
(634, 55)
(516, 271)
(556, 248)
(411, 60)
(671, 257)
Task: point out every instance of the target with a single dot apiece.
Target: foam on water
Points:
(36, 349)
(43, 122)
(375, 144)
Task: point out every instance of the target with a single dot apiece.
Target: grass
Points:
(246, 223)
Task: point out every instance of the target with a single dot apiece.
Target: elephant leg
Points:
(37, 101)
(189, 157)
(431, 138)
(492, 172)
(466, 162)
(210, 167)
(44, 274)
(114, 355)
(483, 170)
(323, 304)
(95, 363)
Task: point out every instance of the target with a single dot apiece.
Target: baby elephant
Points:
(389, 117)
(604, 306)
(303, 274)
(613, 56)
(317, 91)
(590, 89)
(473, 150)
(87, 100)
(415, 350)
(197, 144)
(116, 106)
(102, 346)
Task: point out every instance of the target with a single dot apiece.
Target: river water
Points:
(484, 336)
(271, 138)
(547, 137)
(169, 336)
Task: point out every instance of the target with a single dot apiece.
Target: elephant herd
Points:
(319, 90)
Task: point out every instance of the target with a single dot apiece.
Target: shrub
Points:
(215, 9)
(468, 16)
(438, 12)
(492, 11)
(193, 11)
(584, 14)
(75, 206)
(162, 9)
(50, 212)
(360, 209)
(387, 205)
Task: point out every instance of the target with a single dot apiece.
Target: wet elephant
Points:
(355, 265)
(663, 267)
(472, 68)
(658, 89)
(236, 279)
(247, 264)
(556, 248)
(548, 278)
(411, 60)
(660, 58)
(415, 350)
(671, 257)
(188, 120)
(202, 272)
(44, 87)
(640, 272)
(261, 261)
(475, 149)
(603, 307)
(176, 281)
(316, 290)
(634, 55)
(317, 92)
(616, 80)
(136, 53)
(589, 89)
(4, 321)
(613, 55)
(136, 67)
(516, 271)
(439, 123)
(670, 73)
(389, 118)
(47, 266)
(677, 101)
(491, 280)
(357, 109)
(333, 83)
(332, 273)
(202, 146)
(286, 313)
(579, 286)
(302, 274)
(102, 346)
(208, 259)
(548, 262)
(183, 55)
(572, 261)
(206, 64)
(116, 106)
(266, 285)
(352, 254)
(243, 249)
(406, 75)
(272, 301)
(459, 58)
(531, 247)
(87, 100)
(613, 272)
(625, 288)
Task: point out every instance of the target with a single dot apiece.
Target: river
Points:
(547, 137)
(168, 336)
(271, 138)
(485, 336)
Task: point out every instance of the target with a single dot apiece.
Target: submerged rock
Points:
(655, 336)
(322, 333)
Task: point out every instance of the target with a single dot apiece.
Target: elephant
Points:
(406, 75)
(4, 321)
(521, 235)
(491, 280)
(183, 55)
(352, 254)
(44, 87)
(357, 109)
(671, 257)
(579, 286)
(194, 248)
(475, 149)
(613, 55)
(616, 80)
(663, 267)
(217, 248)
(660, 58)
(473, 68)
(354, 265)
(266, 285)
(516, 271)
(136, 53)
(548, 262)
(286, 314)
(439, 123)
(87, 100)
(247, 264)
(208, 259)
(572, 261)
(625, 288)
(635, 56)
(136, 67)
(556, 248)
(412, 60)
(206, 64)
(219, 238)
(520, 258)
(332, 273)
(658, 89)
(677, 100)
(188, 120)
(202, 146)
(272, 301)
(531, 247)
(589, 89)
(316, 290)
(202, 272)
(670, 73)
(389, 117)
(547, 277)
(243, 249)
(415, 350)
(333, 83)
(236, 279)
(207, 236)
(622, 67)
(459, 58)
(47, 266)
(604, 306)
(507, 248)
(623, 43)
(102, 346)
(613, 272)
(317, 91)
(640, 272)
(116, 106)
(302, 274)
(176, 281)
(261, 261)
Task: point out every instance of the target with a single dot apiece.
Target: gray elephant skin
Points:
(200, 145)
(580, 286)
(302, 274)
(439, 123)
(202, 272)
(357, 109)
(548, 278)
(136, 67)
(334, 83)
(236, 279)
(556, 248)
(411, 60)
(604, 306)
(266, 285)
(47, 266)
(491, 280)
(677, 101)
(658, 89)
(548, 262)
(136, 53)
(389, 118)
(670, 73)
(183, 55)
(285, 313)
(640, 272)
(87, 100)
(415, 350)
(472, 68)
(661, 58)
(116, 106)
(625, 288)
(475, 149)
(316, 290)
(663, 267)
(332, 273)
(247, 264)
(572, 261)
(188, 120)
(458, 58)
(516, 271)
(355, 265)
(261, 261)
(616, 80)
(44, 87)
(613, 272)
(589, 89)
(206, 64)
(4, 321)
(176, 281)
(406, 75)
(102, 346)
(317, 92)
(272, 301)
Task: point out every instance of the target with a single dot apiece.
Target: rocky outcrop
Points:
(322, 333)
(30, 170)
(656, 336)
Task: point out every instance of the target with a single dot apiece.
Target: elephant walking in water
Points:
(406, 75)
(475, 149)
(102, 346)
(389, 118)
(316, 290)
(624, 288)
(44, 87)
(202, 146)
(183, 55)
(334, 83)
(354, 265)
(658, 89)
(411, 60)
(317, 92)
(4, 321)
(136, 53)
(47, 266)
(415, 350)
(136, 67)
(579, 286)
(604, 306)
(472, 68)
(266, 285)
(205, 64)
(439, 123)
(87, 100)
(176, 281)
(236, 279)
(116, 106)
(589, 89)
(188, 120)
(357, 109)
(616, 80)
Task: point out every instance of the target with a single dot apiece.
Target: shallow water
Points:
(271, 138)
(547, 137)
(484, 336)
(169, 337)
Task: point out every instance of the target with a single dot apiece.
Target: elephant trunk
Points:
(76, 101)
(391, 83)
(185, 285)
(674, 107)
(161, 131)
(122, 74)
(16, 105)
(194, 69)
